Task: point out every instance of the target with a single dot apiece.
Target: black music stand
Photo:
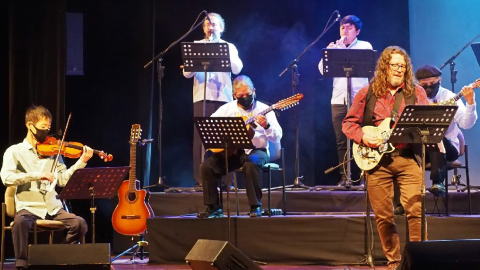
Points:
(227, 133)
(423, 124)
(91, 183)
(202, 56)
(350, 64)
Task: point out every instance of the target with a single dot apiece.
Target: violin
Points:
(51, 146)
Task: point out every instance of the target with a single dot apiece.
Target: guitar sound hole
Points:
(131, 197)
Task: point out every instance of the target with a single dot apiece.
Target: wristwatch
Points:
(268, 126)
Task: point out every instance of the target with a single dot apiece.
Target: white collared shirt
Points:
(339, 93)
(262, 136)
(465, 117)
(219, 84)
(22, 167)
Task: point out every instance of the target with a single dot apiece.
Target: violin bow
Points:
(54, 165)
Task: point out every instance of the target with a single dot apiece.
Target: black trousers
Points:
(213, 168)
(210, 107)
(338, 114)
(23, 223)
(438, 161)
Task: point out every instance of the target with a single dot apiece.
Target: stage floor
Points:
(322, 227)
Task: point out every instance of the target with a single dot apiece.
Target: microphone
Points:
(208, 18)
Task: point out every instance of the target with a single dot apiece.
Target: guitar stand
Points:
(140, 246)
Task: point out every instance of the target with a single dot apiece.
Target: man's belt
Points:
(404, 152)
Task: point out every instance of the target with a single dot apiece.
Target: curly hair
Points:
(380, 81)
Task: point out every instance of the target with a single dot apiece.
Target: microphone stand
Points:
(298, 183)
(453, 72)
(160, 74)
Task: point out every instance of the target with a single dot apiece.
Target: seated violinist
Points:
(35, 196)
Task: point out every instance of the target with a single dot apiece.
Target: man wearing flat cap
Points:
(429, 77)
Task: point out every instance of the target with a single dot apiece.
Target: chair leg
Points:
(269, 191)
(50, 240)
(35, 233)
(3, 245)
(446, 193)
(236, 192)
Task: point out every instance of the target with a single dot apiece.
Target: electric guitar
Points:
(367, 158)
(130, 215)
(281, 105)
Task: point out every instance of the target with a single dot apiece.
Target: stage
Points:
(321, 227)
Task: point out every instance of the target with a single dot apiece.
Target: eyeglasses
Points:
(397, 67)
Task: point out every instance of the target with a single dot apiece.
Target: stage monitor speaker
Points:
(218, 255)
(444, 254)
(69, 257)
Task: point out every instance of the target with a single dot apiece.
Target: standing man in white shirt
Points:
(219, 84)
(266, 129)
(35, 195)
(350, 27)
(428, 77)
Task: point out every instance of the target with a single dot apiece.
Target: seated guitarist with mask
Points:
(393, 81)
(251, 160)
(428, 77)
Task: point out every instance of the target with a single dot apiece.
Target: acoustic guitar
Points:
(367, 158)
(130, 215)
(281, 105)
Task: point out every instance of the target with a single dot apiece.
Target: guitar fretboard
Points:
(133, 167)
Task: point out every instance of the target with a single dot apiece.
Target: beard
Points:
(395, 81)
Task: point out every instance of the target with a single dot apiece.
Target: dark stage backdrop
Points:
(116, 91)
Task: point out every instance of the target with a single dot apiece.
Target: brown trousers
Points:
(408, 175)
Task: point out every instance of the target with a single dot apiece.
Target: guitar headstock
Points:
(288, 102)
(135, 134)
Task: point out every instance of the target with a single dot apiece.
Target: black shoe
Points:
(255, 211)
(437, 189)
(399, 210)
(211, 212)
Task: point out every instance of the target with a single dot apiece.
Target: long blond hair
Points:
(380, 81)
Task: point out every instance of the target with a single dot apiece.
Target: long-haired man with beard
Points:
(392, 88)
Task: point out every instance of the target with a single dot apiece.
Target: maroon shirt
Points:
(352, 124)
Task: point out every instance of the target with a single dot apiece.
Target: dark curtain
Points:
(36, 62)
(32, 54)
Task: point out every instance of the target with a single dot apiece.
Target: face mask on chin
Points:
(41, 134)
(432, 90)
(246, 102)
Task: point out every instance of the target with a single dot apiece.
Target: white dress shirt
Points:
(219, 84)
(339, 94)
(22, 167)
(465, 117)
(261, 136)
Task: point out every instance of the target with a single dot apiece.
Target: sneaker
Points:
(399, 210)
(255, 211)
(211, 212)
(437, 189)
(393, 266)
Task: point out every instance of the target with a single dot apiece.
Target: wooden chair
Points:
(8, 210)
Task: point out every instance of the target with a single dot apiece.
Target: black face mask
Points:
(41, 135)
(246, 102)
(432, 90)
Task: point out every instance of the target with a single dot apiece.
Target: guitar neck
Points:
(133, 168)
(252, 119)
